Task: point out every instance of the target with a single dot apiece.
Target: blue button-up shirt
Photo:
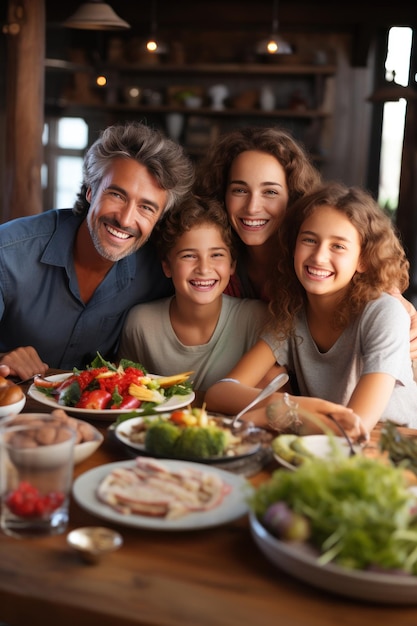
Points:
(40, 302)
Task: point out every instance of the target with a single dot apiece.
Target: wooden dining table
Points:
(207, 577)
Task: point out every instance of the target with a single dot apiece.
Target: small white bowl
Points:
(12, 409)
(81, 450)
(85, 449)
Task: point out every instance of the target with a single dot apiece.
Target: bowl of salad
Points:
(347, 525)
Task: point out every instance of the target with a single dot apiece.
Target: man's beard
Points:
(106, 251)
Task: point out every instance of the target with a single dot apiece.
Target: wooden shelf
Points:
(84, 100)
(201, 68)
(75, 108)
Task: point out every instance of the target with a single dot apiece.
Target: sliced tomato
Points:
(41, 382)
(98, 399)
(178, 417)
(128, 402)
(66, 383)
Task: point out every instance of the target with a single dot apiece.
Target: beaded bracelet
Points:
(283, 416)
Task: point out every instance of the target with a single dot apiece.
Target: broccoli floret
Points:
(161, 438)
(200, 443)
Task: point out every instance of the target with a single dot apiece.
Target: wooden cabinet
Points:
(164, 94)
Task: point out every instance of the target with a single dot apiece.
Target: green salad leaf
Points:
(182, 389)
(100, 361)
(125, 363)
(360, 510)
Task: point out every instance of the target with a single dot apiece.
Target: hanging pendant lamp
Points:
(96, 15)
(154, 44)
(274, 44)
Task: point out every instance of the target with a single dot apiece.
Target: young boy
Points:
(198, 329)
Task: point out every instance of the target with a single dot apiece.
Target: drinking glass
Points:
(36, 468)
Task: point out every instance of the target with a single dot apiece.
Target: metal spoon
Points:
(275, 384)
(92, 542)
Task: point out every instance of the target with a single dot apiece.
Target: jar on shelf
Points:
(267, 98)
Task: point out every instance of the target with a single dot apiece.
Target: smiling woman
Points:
(255, 173)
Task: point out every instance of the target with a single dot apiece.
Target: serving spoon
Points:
(275, 384)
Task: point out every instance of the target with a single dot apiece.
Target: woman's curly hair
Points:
(212, 172)
(382, 255)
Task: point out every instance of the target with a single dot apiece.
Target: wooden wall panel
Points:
(24, 108)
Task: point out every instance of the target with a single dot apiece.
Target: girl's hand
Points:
(314, 411)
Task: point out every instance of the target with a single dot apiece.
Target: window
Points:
(65, 141)
(397, 66)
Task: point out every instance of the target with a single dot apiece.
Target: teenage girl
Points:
(335, 325)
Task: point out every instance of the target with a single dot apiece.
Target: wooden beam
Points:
(24, 107)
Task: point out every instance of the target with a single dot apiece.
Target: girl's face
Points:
(327, 252)
(200, 264)
(256, 196)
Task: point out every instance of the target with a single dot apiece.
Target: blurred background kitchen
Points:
(341, 77)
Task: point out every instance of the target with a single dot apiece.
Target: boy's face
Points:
(200, 264)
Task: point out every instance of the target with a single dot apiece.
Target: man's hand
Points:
(4, 370)
(23, 362)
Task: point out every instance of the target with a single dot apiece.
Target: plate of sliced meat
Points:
(162, 495)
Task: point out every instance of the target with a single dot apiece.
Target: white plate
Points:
(123, 429)
(173, 403)
(233, 506)
(319, 445)
(363, 585)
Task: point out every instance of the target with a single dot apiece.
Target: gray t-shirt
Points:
(148, 338)
(377, 341)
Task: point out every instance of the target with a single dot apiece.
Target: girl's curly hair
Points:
(384, 259)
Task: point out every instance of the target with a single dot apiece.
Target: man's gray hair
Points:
(164, 159)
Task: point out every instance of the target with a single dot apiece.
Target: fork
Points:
(26, 380)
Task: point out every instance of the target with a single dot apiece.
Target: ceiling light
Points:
(96, 15)
(154, 45)
(274, 44)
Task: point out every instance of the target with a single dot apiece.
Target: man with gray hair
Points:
(69, 276)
